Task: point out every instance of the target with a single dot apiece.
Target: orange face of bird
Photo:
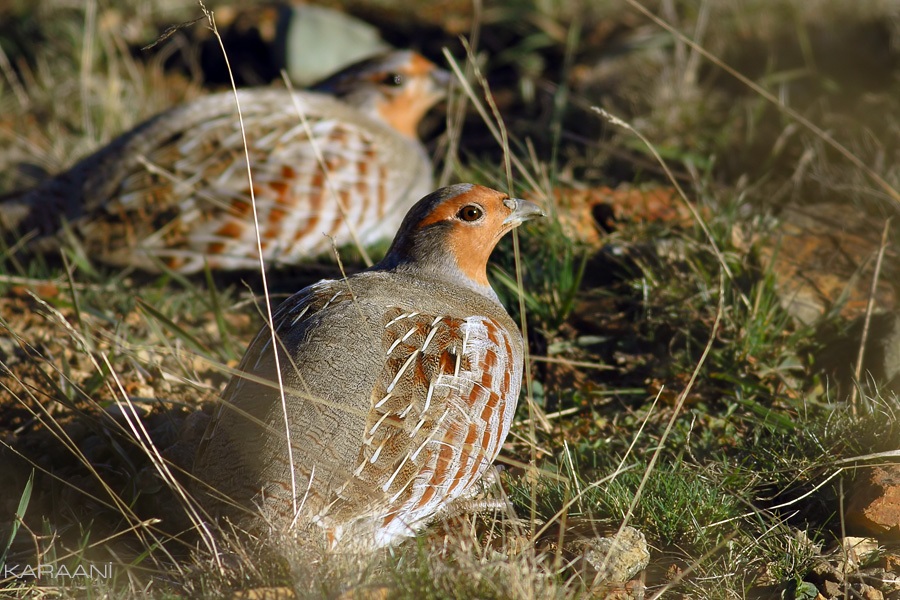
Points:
(410, 91)
(478, 219)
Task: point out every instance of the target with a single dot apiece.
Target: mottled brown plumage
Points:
(174, 190)
(400, 385)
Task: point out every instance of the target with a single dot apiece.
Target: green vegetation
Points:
(670, 385)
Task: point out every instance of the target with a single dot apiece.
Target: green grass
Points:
(735, 483)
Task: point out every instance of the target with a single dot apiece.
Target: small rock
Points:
(866, 592)
(823, 571)
(823, 254)
(873, 507)
(892, 563)
(890, 583)
(832, 589)
(613, 558)
(859, 551)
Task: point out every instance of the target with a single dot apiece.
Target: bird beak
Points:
(522, 210)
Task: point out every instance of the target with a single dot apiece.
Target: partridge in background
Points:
(400, 384)
(174, 190)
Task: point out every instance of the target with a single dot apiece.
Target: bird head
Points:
(451, 233)
(398, 87)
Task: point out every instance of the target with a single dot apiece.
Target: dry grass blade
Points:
(457, 103)
(87, 61)
(572, 363)
(819, 132)
(717, 451)
(488, 121)
(13, 79)
(118, 504)
(873, 456)
(773, 509)
(259, 249)
(690, 205)
(145, 442)
(867, 319)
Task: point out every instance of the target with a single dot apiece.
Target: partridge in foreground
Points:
(175, 188)
(400, 384)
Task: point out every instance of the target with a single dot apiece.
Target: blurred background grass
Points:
(740, 477)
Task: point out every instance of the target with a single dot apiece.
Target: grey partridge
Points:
(175, 191)
(400, 384)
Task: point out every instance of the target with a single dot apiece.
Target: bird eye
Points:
(392, 79)
(470, 212)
